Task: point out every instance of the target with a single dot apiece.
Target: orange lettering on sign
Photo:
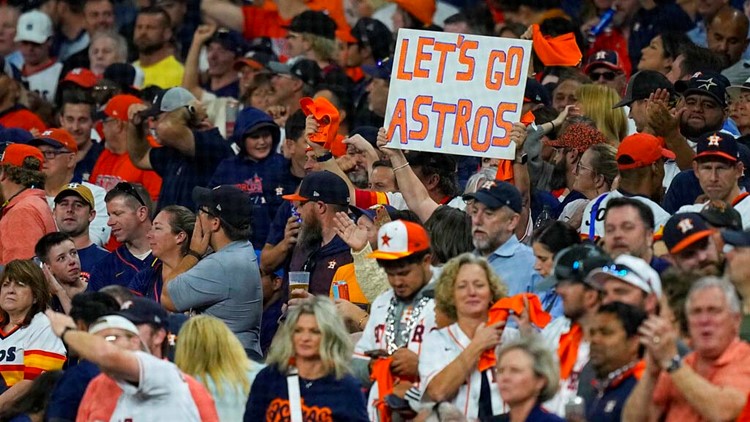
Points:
(398, 120)
(461, 129)
(464, 46)
(494, 78)
(420, 118)
(402, 73)
(443, 48)
(441, 109)
(503, 123)
(421, 57)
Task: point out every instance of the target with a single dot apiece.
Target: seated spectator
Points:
(77, 110)
(691, 245)
(129, 208)
(226, 283)
(210, 352)
(40, 70)
(62, 269)
(106, 48)
(314, 346)
(169, 241)
(629, 280)
(24, 295)
(14, 112)
(547, 242)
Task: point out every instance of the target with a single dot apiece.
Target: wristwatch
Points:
(65, 331)
(323, 158)
(674, 364)
(523, 159)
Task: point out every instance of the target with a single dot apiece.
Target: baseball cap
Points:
(230, 40)
(423, 10)
(255, 59)
(58, 138)
(684, 229)
(12, 135)
(125, 76)
(169, 100)
(14, 155)
(631, 270)
(114, 321)
(305, 70)
(313, 22)
(371, 212)
(604, 58)
(141, 310)
(709, 84)
(117, 106)
(34, 26)
(578, 136)
(535, 92)
(82, 77)
(720, 214)
(734, 91)
(375, 34)
(322, 186)
(76, 189)
(717, 144)
(641, 150)
(497, 194)
(736, 238)
(575, 262)
(381, 70)
(327, 117)
(399, 239)
(226, 202)
(642, 85)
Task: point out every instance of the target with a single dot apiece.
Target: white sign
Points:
(456, 93)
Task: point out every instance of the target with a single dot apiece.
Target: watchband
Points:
(65, 331)
(323, 158)
(195, 254)
(674, 364)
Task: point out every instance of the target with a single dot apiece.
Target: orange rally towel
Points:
(505, 171)
(528, 118)
(500, 312)
(381, 373)
(567, 351)
(558, 51)
(327, 116)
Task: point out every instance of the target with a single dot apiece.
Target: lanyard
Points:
(295, 398)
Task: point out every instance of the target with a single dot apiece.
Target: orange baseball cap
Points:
(327, 116)
(423, 10)
(399, 239)
(15, 154)
(117, 107)
(56, 137)
(82, 77)
(641, 150)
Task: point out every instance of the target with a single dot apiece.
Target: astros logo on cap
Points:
(399, 239)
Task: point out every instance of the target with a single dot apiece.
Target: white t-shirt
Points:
(660, 216)
(443, 346)
(98, 229)
(44, 82)
(161, 395)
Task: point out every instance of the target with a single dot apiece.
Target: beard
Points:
(311, 234)
(147, 47)
(691, 132)
(359, 178)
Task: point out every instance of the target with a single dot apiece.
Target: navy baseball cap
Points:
(381, 70)
(604, 58)
(141, 310)
(684, 229)
(721, 215)
(642, 85)
(497, 195)
(736, 238)
(226, 202)
(717, 144)
(574, 263)
(709, 84)
(536, 93)
(305, 70)
(322, 186)
(230, 40)
(373, 33)
(372, 211)
(315, 23)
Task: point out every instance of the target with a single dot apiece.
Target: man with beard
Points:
(691, 246)
(727, 36)
(737, 250)
(319, 250)
(705, 102)
(62, 268)
(153, 32)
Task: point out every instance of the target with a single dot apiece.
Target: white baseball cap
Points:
(114, 321)
(399, 239)
(34, 26)
(631, 270)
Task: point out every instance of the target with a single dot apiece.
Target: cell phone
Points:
(38, 262)
(376, 353)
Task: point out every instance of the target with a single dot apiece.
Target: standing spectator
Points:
(629, 229)
(222, 49)
(70, 36)
(106, 48)
(727, 36)
(225, 284)
(293, 82)
(59, 149)
(312, 351)
(209, 351)
(152, 322)
(77, 117)
(114, 164)
(710, 383)
(692, 248)
(62, 269)
(40, 71)
(153, 32)
(24, 295)
(373, 43)
(75, 209)
(186, 151)
(26, 216)
(312, 35)
(98, 17)
(180, 12)
(129, 209)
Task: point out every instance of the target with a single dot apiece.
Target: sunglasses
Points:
(608, 76)
(619, 270)
(128, 189)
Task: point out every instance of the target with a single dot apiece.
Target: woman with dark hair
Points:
(28, 347)
(548, 241)
(169, 240)
(32, 407)
(450, 234)
(660, 53)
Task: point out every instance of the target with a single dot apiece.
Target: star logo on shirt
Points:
(386, 240)
(706, 83)
(331, 264)
(685, 225)
(713, 140)
(279, 191)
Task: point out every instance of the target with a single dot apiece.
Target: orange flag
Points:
(556, 51)
(567, 351)
(381, 373)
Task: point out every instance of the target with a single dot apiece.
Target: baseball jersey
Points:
(441, 347)
(741, 204)
(569, 386)
(44, 82)
(600, 202)
(366, 199)
(28, 351)
(374, 338)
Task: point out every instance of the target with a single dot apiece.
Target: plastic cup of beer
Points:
(299, 280)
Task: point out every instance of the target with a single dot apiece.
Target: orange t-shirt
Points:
(265, 21)
(25, 219)
(22, 119)
(111, 169)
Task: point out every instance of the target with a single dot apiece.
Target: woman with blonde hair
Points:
(596, 102)
(449, 367)
(308, 360)
(209, 351)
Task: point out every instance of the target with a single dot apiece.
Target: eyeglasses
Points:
(52, 154)
(206, 211)
(619, 270)
(113, 338)
(579, 167)
(127, 188)
(608, 76)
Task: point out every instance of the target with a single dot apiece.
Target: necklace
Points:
(602, 385)
(391, 342)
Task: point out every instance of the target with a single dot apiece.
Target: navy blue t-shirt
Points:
(148, 283)
(180, 173)
(66, 397)
(90, 256)
(607, 407)
(228, 90)
(341, 399)
(119, 267)
(84, 167)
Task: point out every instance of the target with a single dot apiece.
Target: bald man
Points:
(727, 36)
